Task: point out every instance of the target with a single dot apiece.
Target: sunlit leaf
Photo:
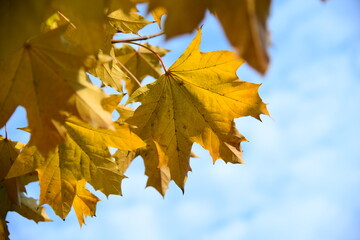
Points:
(84, 202)
(195, 101)
(244, 23)
(127, 22)
(46, 77)
(85, 155)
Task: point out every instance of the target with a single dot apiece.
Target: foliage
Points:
(48, 50)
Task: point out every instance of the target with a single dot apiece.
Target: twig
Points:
(6, 132)
(128, 71)
(68, 20)
(137, 38)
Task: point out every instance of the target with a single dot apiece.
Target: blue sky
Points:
(301, 179)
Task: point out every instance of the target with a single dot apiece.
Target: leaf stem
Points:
(128, 71)
(66, 19)
(155, 53)
(137, 38)
(6, 132)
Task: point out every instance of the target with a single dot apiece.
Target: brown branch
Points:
(137, 38)
(6, 132)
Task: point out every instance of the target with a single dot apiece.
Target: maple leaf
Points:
(87, 18)
(24, 15)
(112, 102)
(9, 151)
(157, 14)
(11, 197)
(46, 77)
(31, 210)
(110, 74)
(4, 231)
(28, 208)
(85, 155)
(125, 5)
(140, 63)
(182, 16)
(130, 22)
(244, 23)
(84, 202)
(195, 101)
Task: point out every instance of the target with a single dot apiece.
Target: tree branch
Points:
(137, 38)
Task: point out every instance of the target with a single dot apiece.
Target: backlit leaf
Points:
(244, 23)
(46, 77)
(11, 197)
(9, 151)
(157, 14)
(31, 210)
(85, 155)
(110, 74)
(127, 22)
(88, 18)
(19, 21)
(195, 101)
(84, 202)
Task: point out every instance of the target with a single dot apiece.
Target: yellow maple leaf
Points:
(182, 16)
(195, 101)
(84, 202)
(85, 155)
(157, 14)
(87, 18)
(110, 74)
(244, 23)
(11, 197)
(30, 209)
(15, 15)
(130, 22)
(9, 151)
(45, 76)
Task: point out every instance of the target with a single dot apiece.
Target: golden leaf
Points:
(110, 74)
(127, 22)
(244, 23)
(157, 14)
(11, 197)
(31, 210)
(87, 18)
(9, 151)
(84, 202)
(19, 21)
(85, 155)
(46, 77)
(195, 101)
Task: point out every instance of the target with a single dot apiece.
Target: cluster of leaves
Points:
(48, 50)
